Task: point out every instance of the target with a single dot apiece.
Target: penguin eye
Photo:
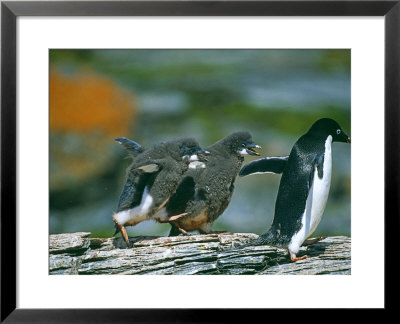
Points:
(243, 145)
(338, 131)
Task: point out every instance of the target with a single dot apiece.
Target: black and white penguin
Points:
(206, 188)
(304, 186)
(151, 179)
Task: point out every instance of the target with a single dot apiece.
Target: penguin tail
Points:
(131, 146)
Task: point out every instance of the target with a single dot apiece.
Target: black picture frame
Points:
(11, 10)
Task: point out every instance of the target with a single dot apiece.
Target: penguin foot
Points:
(122, 229)
(125, 235)
(298, 258)
(294, 258)
(313, 240)
(177, 230)
(180, 229)
(171, 218)
(174, 230)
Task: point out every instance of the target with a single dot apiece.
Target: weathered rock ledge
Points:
(79, 254)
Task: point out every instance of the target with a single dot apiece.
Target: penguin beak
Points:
(250, 149)
(201, 155)
(344, 138)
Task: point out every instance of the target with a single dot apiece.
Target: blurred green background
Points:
(155, 95)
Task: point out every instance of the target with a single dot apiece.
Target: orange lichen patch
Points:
(87, 102)
(87, 111)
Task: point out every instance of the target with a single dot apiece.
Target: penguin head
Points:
(240, 143)
(188, 150)
(325, 127)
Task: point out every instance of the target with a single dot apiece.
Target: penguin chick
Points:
(206, 189)
(152, 178)
(304, 186)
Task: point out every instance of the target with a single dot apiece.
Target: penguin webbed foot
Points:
(171, 219)
(294, 258)
(122, 229)
(175, 217)
(182, 231)
(176, 230)
(125, 236)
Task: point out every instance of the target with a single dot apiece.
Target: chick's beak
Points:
(250, 149)
(348, 140)
(201, 154)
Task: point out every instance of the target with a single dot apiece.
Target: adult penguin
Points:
(152, 179)
(304, 186)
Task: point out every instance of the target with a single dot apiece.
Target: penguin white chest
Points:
(316, 200)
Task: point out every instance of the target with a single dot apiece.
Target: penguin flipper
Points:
(184, 193)
(127, 196)
(318, 164)
(132, 192)
(268, 164)
(131, 146)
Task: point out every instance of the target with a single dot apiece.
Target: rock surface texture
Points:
(79, 254)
